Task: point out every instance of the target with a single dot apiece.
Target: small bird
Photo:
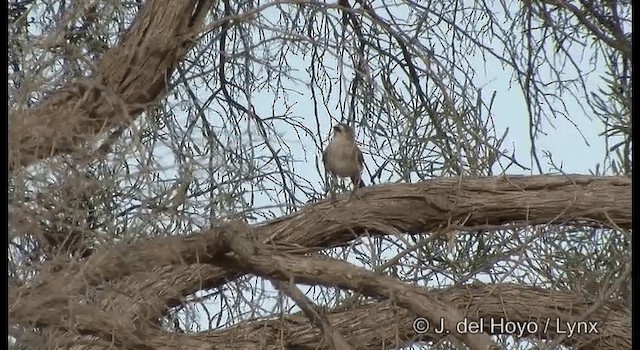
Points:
(342, 158)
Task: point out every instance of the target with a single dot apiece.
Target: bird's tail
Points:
(361, 183)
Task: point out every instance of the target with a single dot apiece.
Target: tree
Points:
(153, 190)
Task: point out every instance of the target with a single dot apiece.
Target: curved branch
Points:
(341, 274)
(383, 324)
(128, 78)
(585, 200)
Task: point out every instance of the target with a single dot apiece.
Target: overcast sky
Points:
(562, 139)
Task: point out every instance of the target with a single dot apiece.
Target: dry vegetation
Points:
(157, 202)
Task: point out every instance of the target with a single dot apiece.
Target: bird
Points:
(342, 158)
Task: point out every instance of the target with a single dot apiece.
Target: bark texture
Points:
(117, 295)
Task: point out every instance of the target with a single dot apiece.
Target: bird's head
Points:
(343, 131)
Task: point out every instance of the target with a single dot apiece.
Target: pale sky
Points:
(509, 111)
(562, 140)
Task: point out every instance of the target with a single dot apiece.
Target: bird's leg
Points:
(355, 182)
(353, 194)
(333, 184)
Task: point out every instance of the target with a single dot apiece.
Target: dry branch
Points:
(585, 200)
(132, 76)
(385, 326)
(128, 78)
(336, 273)
(317, 317)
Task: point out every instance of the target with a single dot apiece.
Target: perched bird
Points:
(342, 158)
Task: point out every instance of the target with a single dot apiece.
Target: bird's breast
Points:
(341, 160)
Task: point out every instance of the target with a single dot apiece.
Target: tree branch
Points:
(583, 200)
(335, 273)
(315, 315)
(384, 325)
(127, 79)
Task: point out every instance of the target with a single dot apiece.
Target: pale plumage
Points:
(342, 158)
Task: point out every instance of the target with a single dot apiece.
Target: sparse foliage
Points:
(166, 188)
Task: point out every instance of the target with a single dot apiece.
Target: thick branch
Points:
(384, 325)
(584, 200)
(108, 264)
(129, 78)
(341, 274)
